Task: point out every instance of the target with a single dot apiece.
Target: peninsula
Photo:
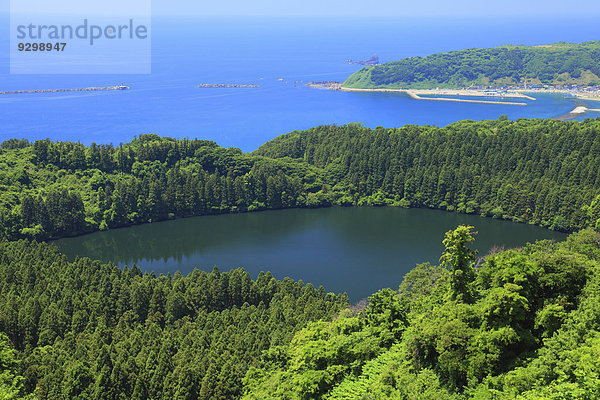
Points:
(558, 65)
(505, 72)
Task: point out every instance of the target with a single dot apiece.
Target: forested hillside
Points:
(86, 330)
(53, 189)
(542, 172)
(522, 324)
(560, 64)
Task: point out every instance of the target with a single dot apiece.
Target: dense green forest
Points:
(558, 64)
(522, 323)
(86, 330)
(58, 189)
(542, 172)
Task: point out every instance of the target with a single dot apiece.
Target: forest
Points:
(59, 189)
(520, 323)
(86, 330)
(543, 172)
(517, 323)
(556, 64)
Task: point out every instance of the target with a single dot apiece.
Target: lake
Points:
(357, 250)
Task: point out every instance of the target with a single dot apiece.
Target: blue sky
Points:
(347, 8)
(381, 8)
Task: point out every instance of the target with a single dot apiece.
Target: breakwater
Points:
(218, 85)
(88, 89)
(576, 112)
(505, 103)
(582, 110)
(416, 93)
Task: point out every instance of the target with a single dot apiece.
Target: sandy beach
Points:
(576, 112)
(583, 110)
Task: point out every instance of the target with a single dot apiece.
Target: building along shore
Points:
(418, 94)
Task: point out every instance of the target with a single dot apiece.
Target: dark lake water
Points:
(357, 250)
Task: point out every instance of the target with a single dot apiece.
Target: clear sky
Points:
(381, 8)
(347, 8)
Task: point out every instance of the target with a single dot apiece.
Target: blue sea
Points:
(279, 54)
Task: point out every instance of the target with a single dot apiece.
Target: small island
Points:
(374, 60)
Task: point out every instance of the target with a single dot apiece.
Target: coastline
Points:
(416, 94)
(588, 98)
(579, 94)
(442, 92)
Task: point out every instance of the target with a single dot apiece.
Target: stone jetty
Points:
(88, 89)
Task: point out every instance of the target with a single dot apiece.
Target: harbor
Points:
(418, 94)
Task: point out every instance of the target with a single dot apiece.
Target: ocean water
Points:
(280, 55)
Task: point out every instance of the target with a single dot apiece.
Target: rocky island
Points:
(374, 60)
